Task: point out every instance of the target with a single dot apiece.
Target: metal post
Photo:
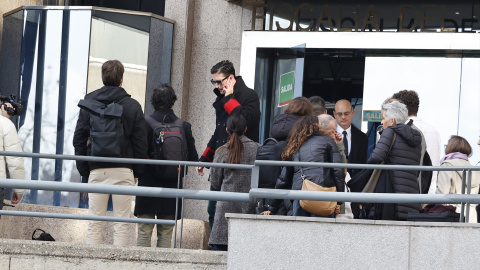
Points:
(176, 208)
(254, 179)
(469, 186)
(462, 219)
(183, 206)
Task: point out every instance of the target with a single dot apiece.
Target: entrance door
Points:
(279, 80)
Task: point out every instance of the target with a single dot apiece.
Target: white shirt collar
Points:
(348, 130)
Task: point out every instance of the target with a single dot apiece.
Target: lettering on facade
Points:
(423, 18)
(372, 116)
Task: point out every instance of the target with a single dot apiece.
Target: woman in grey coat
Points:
(238, 150)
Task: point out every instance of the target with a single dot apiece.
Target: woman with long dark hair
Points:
(308, 143)
(238, 150)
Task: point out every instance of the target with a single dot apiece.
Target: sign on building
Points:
(372, 116)
(286, 88)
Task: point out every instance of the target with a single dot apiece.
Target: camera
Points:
(17, 107)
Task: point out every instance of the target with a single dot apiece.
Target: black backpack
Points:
(169, 143)
(106, 128)
(270, 150)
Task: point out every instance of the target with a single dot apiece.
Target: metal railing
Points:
(254, 194)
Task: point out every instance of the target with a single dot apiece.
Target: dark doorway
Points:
(334, 74)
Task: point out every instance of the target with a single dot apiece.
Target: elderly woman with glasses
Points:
(399, 144)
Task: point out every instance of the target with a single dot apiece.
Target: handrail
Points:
(255, 192)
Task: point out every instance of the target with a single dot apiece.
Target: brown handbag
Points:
(321, 208)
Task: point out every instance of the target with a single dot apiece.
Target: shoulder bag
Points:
(321, 208)
(367, 177)
(372, 182)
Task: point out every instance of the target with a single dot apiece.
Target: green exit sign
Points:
(372, 116)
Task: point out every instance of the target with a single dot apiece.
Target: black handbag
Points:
(44, 236)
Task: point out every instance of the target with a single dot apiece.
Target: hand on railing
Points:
(16, 198)
(266, 213)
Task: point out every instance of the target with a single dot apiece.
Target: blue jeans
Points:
(299, 211)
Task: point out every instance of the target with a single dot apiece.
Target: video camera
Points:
(17, 107)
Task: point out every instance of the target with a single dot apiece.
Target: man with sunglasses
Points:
(232, 96)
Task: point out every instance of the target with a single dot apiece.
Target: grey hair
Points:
(396, 110)
(324, 120)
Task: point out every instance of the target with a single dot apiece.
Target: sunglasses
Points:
(220, 81)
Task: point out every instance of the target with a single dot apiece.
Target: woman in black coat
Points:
(162, 100)
(405, 150)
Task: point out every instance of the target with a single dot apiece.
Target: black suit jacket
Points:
(358, 151)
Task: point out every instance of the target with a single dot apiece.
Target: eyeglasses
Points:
(341, 114)
(218, 82)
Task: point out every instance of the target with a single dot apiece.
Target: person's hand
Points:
(229, 85)
(4, 112)
(136, 180)
(16, 198)
(266, 213)
(199, 171)
(337, 210)
(338, 137)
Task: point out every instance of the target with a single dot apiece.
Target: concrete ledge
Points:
(279, 242)
(195, 232)
(29, 254)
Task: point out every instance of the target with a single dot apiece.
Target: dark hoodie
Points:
(134, 127)
(406, 150)
(282, 124)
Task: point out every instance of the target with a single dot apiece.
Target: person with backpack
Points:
(273, 147)
(238, 150)
(110, 124)
(169, 138)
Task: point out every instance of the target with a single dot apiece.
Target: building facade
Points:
(363, 52)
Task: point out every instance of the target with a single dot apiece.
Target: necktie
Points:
(345, 142)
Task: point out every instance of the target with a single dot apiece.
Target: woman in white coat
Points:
(10, 142)
(450, 182)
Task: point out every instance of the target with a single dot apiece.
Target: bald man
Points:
(355, 141)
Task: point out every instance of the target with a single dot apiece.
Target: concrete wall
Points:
(273, 242)
(28, 254)
(206, 32)
(195, 232)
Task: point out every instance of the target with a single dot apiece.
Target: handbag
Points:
(366, 180)
(321, 208)
(44, 236)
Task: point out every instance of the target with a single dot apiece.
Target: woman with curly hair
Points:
(308, 143)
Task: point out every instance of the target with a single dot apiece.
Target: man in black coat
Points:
(135, 146)
(354, 140)
(240, 99)
(163, 99)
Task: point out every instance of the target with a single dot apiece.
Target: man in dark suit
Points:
(355, 141)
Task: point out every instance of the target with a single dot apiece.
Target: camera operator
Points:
(10, 142)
